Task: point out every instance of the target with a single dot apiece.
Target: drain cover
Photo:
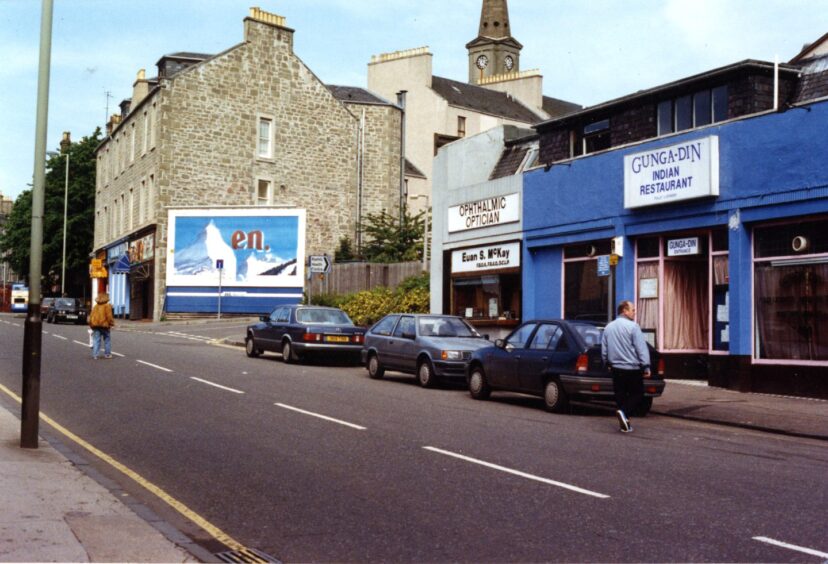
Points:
(246, 555)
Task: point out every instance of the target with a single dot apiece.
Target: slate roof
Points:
(813, 83)
(559, 108)
(482, 100)
(509, 161)
(412, 170)
(356, 95)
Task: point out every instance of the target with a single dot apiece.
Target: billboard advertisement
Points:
(258, 248)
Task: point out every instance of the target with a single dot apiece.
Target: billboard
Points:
(260, 248)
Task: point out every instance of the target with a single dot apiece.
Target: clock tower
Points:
(494, 51)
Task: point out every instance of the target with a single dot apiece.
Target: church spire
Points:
(494, 51)
(494, 19)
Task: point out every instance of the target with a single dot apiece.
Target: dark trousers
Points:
(629, 389)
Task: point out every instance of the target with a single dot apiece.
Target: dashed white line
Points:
(216, 385)
(122, 356)
(325, 417)
(154, 366)
(810, 551)
(518, 473)
(56, 336)
(82, 344)
(17, 325)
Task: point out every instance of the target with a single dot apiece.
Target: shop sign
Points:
(97, 269)
(142, 250)
(487, 212)
(686, 246)
(489, 257)
(672, 174)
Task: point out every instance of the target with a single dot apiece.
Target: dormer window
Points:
(693, 110)
(596, 136)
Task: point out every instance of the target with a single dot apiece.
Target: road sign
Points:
(604, 265)
(320, 264)
(219, 264)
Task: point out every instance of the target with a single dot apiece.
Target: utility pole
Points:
(65, 144)
(33, 326)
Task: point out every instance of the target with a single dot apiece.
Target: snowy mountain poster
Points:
(258, 248)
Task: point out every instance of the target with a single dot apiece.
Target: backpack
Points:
(97, 319)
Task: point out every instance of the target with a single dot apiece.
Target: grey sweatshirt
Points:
(623, 345)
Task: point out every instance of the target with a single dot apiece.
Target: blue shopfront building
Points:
(710, 196)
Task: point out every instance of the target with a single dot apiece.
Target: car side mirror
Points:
(410, 336)
(485, 336)
(500, 343)
(264, 318)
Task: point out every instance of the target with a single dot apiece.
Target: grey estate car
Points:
(428, 346)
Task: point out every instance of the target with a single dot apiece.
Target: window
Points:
(547, 337)
(492, 296)
(265, 136)
(146, 133)
(596, 136)
(586, 295)
(385, 326)
(150, 126)
(264, 192)
(151, 197)
(521, 335)
(693, 110)
(791, 291)
(406, 326)
(131, 210)
(284, 315)
(141, 199)
(132, 143)
(461, 126)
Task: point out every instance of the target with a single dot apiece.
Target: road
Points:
(319, 463)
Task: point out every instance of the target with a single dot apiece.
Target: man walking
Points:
(624, 351)
(101, 321)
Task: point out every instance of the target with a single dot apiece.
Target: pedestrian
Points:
(101, 320)
(624, 351)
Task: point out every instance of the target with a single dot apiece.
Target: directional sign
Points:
(320, 264)
(604, 265)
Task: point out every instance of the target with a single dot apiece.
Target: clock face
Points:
(509, 62)
(482, 61)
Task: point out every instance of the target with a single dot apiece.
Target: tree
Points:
(80, 222)
(390, 240)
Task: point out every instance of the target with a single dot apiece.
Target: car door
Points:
(502, 371)
(543, 356)
(404, 345)
(379, 337)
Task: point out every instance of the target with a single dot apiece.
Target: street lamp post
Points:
(425, 229)
(65, 144)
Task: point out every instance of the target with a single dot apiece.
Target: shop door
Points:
(686, 305)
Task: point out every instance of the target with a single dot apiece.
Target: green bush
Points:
(367, 307)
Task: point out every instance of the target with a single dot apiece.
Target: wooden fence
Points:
(350, 277)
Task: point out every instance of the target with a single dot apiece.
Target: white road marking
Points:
(154, 366)
(810, 551)
(325, 417)
(216, 385)
(56, 336)
(16, 324)
(82, 344)
(518, 473)
(122, 356)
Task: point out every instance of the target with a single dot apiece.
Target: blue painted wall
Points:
(771, 166)
(203, 299)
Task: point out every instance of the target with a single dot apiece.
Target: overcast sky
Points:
(588, 51)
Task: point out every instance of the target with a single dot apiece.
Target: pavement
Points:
(58, 508)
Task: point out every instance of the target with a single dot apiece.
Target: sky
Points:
(589, 51)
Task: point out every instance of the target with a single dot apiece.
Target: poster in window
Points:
(648, 288)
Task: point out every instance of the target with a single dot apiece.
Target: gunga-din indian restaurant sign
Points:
(670, 174)
(489, 257)
(487, 212)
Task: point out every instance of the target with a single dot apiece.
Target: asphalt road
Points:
(319, 463)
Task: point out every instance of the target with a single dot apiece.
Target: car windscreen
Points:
(322, 316)
(591, 334)
(65, 302)
(444, 327)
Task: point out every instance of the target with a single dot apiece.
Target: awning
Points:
(121, 266)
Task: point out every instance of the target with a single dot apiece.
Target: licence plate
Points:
(71, 316)
(337, 339)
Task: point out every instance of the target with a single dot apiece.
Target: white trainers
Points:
(623, 422)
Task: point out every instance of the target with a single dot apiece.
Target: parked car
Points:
(556, 359)
(45, 304)
(66, 309)
(297, 331)
(428, 346)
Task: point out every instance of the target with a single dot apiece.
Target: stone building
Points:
(440, 110)
(251, 126)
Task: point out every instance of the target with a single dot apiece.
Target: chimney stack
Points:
(140, 88)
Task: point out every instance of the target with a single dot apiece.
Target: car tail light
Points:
(651, 389)
(661, 367)
(596, 387)
(312, 337)
(582, 364)
(357, 338)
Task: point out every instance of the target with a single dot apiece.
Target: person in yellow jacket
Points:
(101, 320)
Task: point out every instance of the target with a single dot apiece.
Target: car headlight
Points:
(451, 355)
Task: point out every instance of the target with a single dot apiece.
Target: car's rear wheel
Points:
(643, 408)
(250, 347)
(478, 387)
(554, 397)
(375, 368)
(425, 374)
(288, 354)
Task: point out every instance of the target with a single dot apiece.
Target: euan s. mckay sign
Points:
(675, 173)
(489, 257)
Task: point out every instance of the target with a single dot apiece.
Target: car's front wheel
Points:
(375, 368)
(425, 374)
(250, 347)
(478, 387)
(554, 397)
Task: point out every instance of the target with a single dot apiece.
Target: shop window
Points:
(647, 308)
(586, 295)
(587, 250)
(721, 303)
(648, 247)
(791, 291)
(719, 240)
(495, 296)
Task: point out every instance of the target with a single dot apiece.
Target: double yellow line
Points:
(211, 529)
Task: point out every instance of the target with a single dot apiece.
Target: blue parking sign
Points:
(219, 264)
(604, 265)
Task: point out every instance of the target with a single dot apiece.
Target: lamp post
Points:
(425, 229)
(64, 148)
